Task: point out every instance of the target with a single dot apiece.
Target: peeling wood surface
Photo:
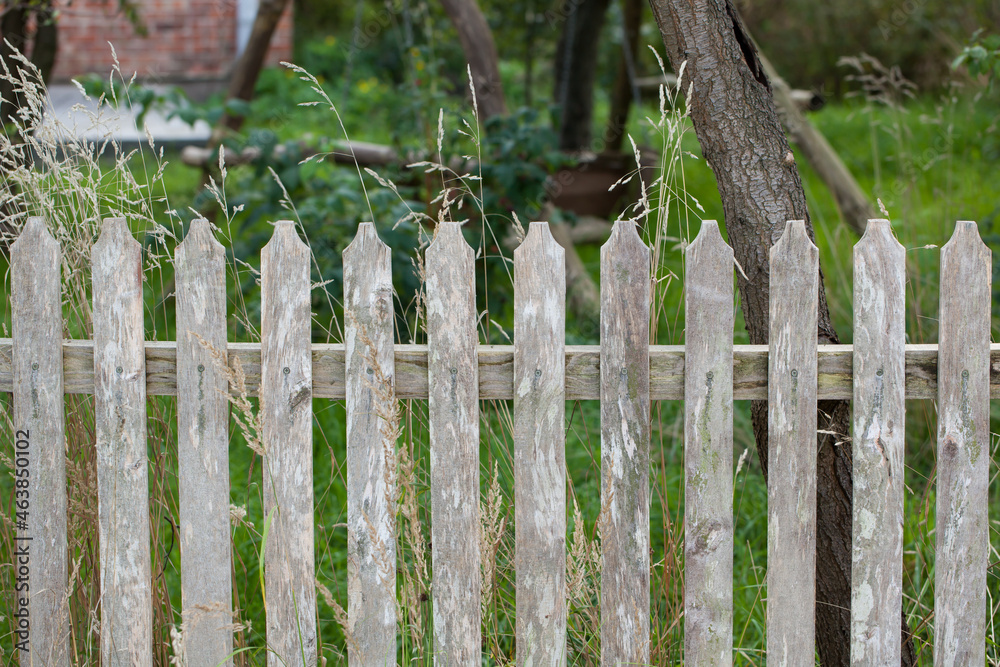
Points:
(878, 418)
(708, 450)
(39, 439)
(122, 470)
(625, 303)
(203, 449)
(286, 411)
(962, 527)
(371, 505)
(453, 411)
(791, 488)
(496, 370)
(539, 448)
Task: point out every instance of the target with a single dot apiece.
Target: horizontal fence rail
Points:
(539, 373)
(496, 370)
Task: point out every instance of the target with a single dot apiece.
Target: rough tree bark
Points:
(741, 138)
(575, 66)
(244, 77)
(481, 53)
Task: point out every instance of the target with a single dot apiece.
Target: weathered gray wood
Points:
(203, 449)
(877, 423)
(539, 448)
(625, 293)
(286, 411)
(122, 474)
(496, 370)
(708, 450)
(371, 507)
(791, 484)
(453, 379)
(963, 451)
(39, 441)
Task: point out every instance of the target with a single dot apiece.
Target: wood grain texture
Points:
(625, 303)
(39, 442)
(708, 450)
(962, 527)
(453, 379)
(791, 487)
(496, 370)
(539, 448)
(122, 472)
(877, 426)
(371, 505)
(286, 410)
(203, 449)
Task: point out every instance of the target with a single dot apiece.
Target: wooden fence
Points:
(453, 372)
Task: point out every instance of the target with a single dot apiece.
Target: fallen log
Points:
(804, 100)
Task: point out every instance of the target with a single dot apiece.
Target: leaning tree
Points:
(740, 132)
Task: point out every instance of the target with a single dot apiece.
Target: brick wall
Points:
(187, 39)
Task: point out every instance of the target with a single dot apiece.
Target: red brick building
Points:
(187, 40)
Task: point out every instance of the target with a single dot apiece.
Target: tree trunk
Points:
(13, 27)
(624, 90)
(244, 77)
(741, 138)
(576, 63)
(43, 51)
(480, 53)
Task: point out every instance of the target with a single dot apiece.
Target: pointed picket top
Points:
(364, 239)
(285, 234)
(115, 231)
(794, 240)
(710, 236)
(448, 234)
(540, 235)
(624, 234)
(966, 235)
(35, 233)
(200, 234)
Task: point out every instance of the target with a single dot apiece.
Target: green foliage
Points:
(981, 57)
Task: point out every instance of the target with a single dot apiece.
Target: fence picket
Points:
(203, 448)
(286, 412)
(963, 450)
(791, 484)
(878, 418)
(122, 474)
(625, 293)
(371, 524)
(453, 393)
(539, 448)
(40, 440)
(708, 450)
